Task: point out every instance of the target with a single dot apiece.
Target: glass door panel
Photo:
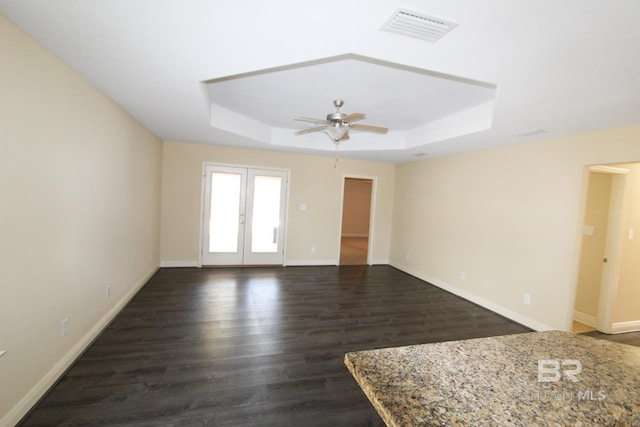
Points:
(265, 224)
(224, 208)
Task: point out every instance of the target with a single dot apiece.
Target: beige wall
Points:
(80, 201)
(509, 218)
(313, 181)
(627, 306)
(593, 246)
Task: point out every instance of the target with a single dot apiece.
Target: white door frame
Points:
(265, 258)
(203, 199)
(609, 280)
(611, 273)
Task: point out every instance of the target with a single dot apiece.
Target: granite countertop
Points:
(495, 381)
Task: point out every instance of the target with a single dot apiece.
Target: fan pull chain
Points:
(335, 163)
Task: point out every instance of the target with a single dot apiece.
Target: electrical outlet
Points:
(407, 255)
(463, 276)
(312, 249)
(108, 292)
(526, 298)
(65, 327)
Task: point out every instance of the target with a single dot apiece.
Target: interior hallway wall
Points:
(356, 207)
(80, 196)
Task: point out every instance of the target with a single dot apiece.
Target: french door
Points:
(244, 214)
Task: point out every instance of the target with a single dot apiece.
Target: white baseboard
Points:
(315, 262)
(35, 394)
(186, 263)
(294, 263)
(622, 327)
(587, 319)
(496, 308)
(310, 262)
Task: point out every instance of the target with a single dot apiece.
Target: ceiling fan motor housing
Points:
(336, 117)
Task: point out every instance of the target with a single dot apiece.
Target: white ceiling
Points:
(238, 72)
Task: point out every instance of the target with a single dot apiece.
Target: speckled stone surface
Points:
(494, 381)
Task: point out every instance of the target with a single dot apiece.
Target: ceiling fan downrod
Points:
(337, 116)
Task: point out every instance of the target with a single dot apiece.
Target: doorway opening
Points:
(607, 288)
(356, 221)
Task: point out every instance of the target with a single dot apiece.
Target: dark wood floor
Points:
(629, 338)
(254, 347)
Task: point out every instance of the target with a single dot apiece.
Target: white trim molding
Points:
(587, 319)
(185, 263)
(622, 327)
(609, 169)
(310, 262)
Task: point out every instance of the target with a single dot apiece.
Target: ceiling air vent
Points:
(419, 25)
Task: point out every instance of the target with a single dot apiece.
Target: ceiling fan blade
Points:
(369, 128)
(309, 130)
(353, 117)
(310, 119)
(345, 137)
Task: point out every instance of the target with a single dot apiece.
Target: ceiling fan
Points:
(337, 124)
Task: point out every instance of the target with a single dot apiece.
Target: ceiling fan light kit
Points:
(337, 124)
(336, 132)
